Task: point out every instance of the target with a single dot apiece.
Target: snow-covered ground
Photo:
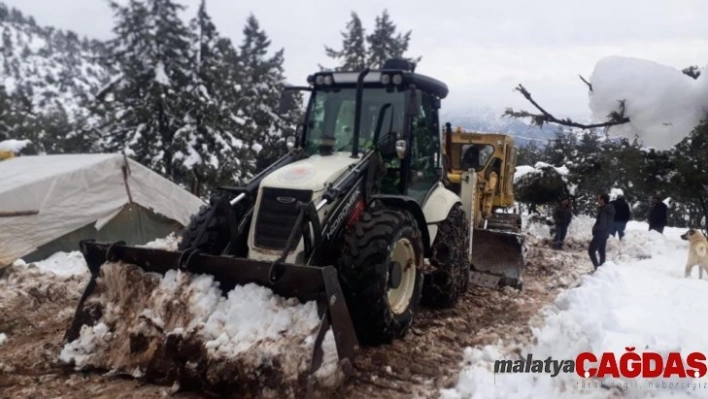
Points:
(639, 298)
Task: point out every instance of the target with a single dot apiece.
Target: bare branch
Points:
(616, 118)
(586, 82)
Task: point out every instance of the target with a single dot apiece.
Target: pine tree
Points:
(213, 126)
(262, 85)
(352, 56)
(144, 112)
(385, 43)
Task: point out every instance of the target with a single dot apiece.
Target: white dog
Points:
(697, 252)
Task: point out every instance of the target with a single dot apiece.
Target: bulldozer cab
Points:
(485, 153)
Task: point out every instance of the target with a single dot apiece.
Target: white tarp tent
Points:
(52, 201)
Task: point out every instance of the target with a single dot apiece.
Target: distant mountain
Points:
(489, 120)
(51, 70)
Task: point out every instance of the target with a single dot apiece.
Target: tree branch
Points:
(586, 82)
(616, 118)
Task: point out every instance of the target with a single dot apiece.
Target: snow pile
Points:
(168, 243)
(180, 328)
(538, 168)
(13, 145)
(60, 263)
(662, 103)
(639, 303)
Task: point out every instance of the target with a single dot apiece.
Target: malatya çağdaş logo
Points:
(628, 365)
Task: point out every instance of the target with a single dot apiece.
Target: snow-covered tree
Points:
(385, 43)
(360, 50)
(212, 149)
(144, 110)
(353, 55)
(262, 85)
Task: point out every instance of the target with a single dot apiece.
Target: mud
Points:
(36, 309)
(429, 357)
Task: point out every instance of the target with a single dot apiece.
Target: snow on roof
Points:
(65, 192)
(663, 104)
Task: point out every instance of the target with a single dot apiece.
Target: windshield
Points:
(332, 115)
(473, 156)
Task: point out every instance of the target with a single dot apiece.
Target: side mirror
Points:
(413, 102)
(288, 102)
(290, 142)
(401, 147)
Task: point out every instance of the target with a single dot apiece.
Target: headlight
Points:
(328, 80)
(397, 79)
(319, 79)
(385, 79)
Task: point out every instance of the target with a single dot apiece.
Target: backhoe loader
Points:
(498, 258)
(347, 217)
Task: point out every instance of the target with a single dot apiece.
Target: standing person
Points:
(658, 214)
(562, 216)
(622, 216)
(601, 229)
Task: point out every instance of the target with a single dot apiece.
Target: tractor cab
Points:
(397, 112)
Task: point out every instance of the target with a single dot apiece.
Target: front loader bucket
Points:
(306, 283)
(497, 258)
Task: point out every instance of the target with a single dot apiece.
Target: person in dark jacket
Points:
(658, 214)
(622, 216)
(601, 229)
(562, 216)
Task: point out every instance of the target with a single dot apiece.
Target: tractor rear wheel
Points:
(216, 236)
(380, 274)
(449, 279)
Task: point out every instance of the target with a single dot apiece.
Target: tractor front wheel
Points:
(449, 279)
(380, 274)
(216, 236)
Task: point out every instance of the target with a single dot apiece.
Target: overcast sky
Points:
(481, 48)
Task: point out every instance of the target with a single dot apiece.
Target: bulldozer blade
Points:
(307, 283)
(497, 258)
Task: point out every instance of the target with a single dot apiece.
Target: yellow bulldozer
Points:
(498, 256)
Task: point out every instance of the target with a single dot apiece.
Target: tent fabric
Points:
(133, 224)
(57, 194)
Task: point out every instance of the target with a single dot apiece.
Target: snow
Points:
(523, 170)
(662, 103)
(61, 263)
(3, 338)
(256, 147)
(639, 298)
(14, 145)
(615, 192)
(251, 325)
(161, 75)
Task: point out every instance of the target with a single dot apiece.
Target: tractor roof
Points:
(373, 78)
(465, 136)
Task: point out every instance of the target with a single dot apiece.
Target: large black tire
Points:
(215, 238)
(449, 279)
(364, 269)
